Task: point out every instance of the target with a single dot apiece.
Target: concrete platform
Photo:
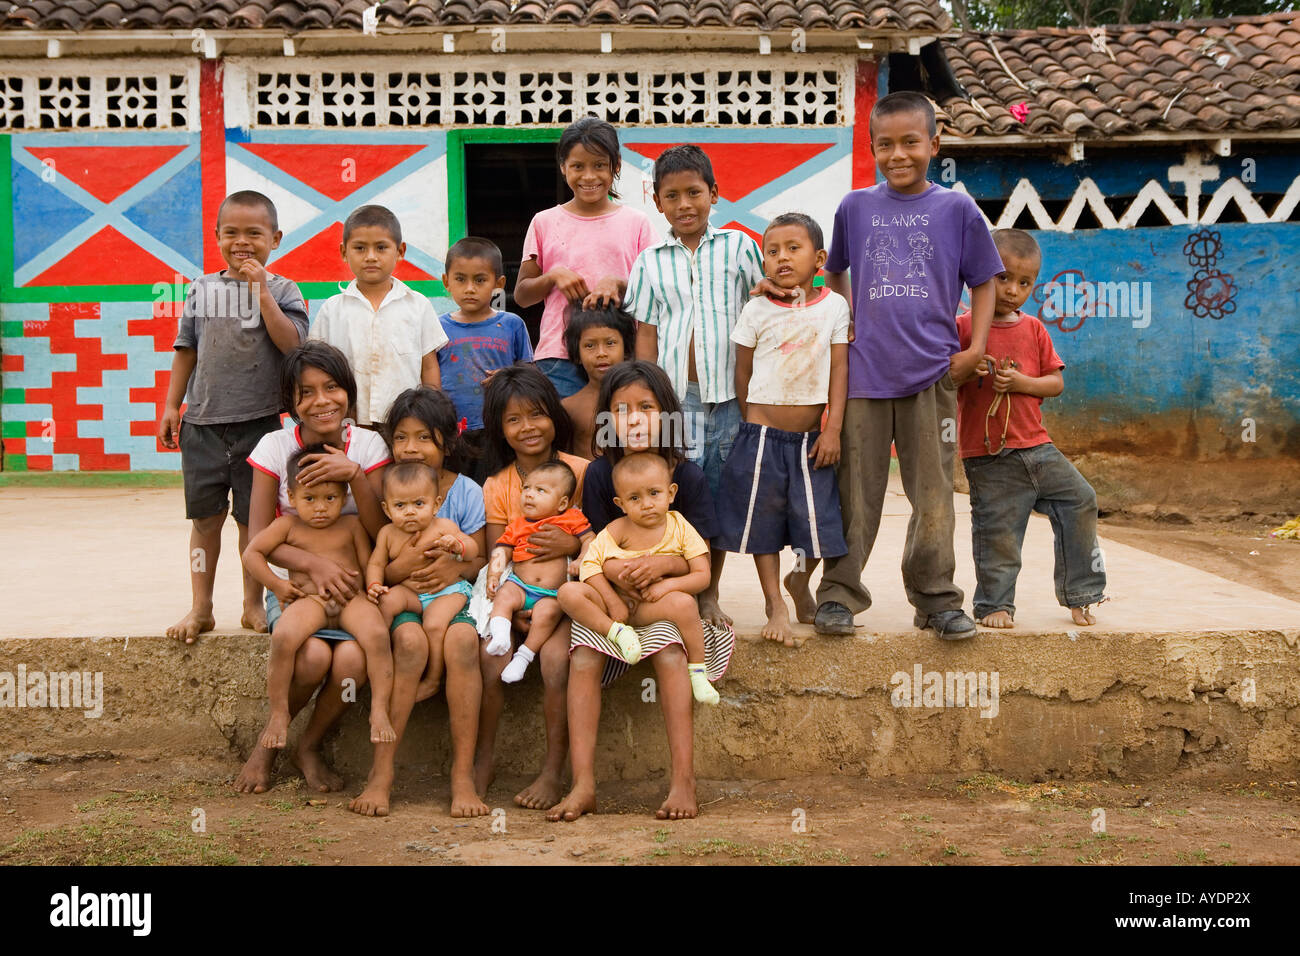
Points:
(1184, 669)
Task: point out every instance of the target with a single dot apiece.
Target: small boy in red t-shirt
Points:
(1011, 464)
(533, 583)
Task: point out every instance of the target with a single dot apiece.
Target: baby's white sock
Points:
(518, 665)
(499, 629)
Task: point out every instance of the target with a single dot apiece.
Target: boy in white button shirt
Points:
(792, 364)
(389, 332)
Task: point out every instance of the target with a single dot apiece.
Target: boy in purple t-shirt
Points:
(911, 246)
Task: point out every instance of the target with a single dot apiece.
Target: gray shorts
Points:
(214, 464)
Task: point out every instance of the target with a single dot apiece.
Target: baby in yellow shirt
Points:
(644, 490)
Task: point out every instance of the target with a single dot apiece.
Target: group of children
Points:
(558, 507)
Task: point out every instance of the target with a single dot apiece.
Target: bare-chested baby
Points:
(411, 502)
(319, 528)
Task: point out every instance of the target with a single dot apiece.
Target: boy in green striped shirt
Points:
(687, 292)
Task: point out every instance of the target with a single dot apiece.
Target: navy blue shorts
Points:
(773, 497)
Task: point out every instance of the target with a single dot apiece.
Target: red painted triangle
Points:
(740, 168)
(756, 236)
(107, 257)
(104, 171)
(318, 260)
(334, 169)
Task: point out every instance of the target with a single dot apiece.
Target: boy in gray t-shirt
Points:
(236, 327)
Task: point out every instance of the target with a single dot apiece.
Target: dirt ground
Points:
(125, 812)
(1238, 549)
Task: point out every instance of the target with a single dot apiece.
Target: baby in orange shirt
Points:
(532, 584)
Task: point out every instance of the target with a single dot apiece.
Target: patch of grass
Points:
(119, 844)
(662, 835)
(882, 855)
(776, 854)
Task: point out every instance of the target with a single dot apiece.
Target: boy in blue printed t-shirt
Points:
(911, 246)
(481, 337)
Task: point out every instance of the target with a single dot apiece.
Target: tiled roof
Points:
(1214, 76)
(924, 16)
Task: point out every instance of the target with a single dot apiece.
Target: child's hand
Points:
(449, 543)
(169, 428)
(333, 580)
(254, 273)
(493, 582)
(571, 285)
(550, 542)
(826, 449)
(963, 364)
(286, 592)
(575, 568)
(606, 292)
(767, 287)
(1006, 378)
(334, 466)
(658, 590)
(375, 590)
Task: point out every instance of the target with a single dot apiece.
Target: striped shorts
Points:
(773, 498)
(718, 645)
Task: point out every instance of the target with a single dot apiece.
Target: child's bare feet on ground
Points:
(465, 801)
(711, 612)
(381, 728)
(579, 801)
(680, 804)
(777, 627)
(254, 617)
(189, 627)
(998, 619)
(1083, 615)
(542, 794)
(805, 607)
(255, 775)
(276, 732)
(373, 801)
(316, 771)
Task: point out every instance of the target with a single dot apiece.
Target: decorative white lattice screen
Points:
(518, 90)
(86, 95)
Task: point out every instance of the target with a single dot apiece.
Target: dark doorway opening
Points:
(506, 184)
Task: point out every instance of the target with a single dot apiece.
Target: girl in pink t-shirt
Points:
(583, 250)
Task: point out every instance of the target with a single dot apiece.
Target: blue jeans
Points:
(712, 429)
(564, 375)
(1004, 489)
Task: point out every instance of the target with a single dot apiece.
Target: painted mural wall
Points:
(1174, 331)
(1179, 338)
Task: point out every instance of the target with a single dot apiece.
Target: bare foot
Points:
(581, 799)
(189, 627)
(277, 731)
(777, 627)
(484, 774)
(805, 607)
(381, 728)
(998, 619)
(465, 801)
(542, 794)
(429, 685)
(680, 804)
(255, 775)
(373, 801)
(710, 612)
(1083, 615)
(254, 617)
(316, 771)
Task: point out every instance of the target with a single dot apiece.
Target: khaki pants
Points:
(916, 425)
